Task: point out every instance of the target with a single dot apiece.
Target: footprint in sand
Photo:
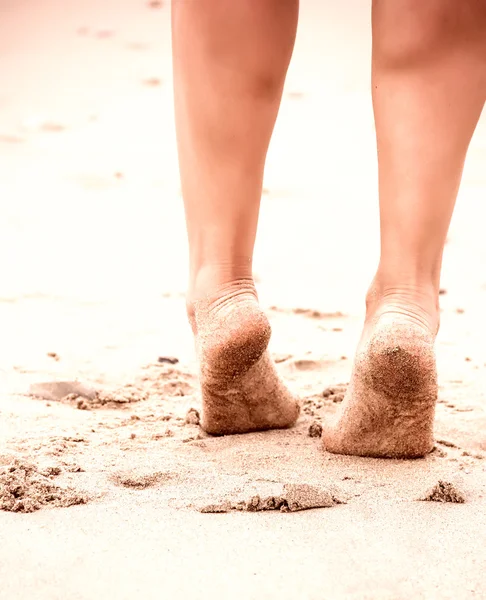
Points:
(56, 391)
(141, 481)
(84, 396)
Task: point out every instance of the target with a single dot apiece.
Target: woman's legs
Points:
(429, 87)
(230, 62)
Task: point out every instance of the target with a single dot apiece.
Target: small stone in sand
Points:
(444, 491)
(280, 358)
(447, 443)
(171, 360)
(315, 429)
(82, 404)
(476, 455)
(192, 417)
(53, 355)
(336, 393)
(438, 452)
(75, 469)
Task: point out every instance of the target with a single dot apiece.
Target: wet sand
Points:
(108, 487)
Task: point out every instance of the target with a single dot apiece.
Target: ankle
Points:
(205, 279)
(416, 302)
(213, 288)
(230, 329)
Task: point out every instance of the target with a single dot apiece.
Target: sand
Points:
(99, 402)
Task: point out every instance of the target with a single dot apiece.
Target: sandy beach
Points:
(108, 486)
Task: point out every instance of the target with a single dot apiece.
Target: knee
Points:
(410, 32)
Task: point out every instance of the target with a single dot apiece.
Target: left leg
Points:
(230, 62)
(429, 88)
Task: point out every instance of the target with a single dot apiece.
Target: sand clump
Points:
(294, 497)
(161, 380)
(315, 429)
(192, 417)
(25, 488)
(336, 393)
(445, 491)
(126, 395)
(314, 404)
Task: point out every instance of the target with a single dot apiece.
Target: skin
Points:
(429, 87)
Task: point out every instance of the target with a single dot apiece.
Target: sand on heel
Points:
(240, 387)
(389, 407)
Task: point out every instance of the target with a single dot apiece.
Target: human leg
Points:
(429, 88)
(230, 62)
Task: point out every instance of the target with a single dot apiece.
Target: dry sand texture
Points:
(93, 262)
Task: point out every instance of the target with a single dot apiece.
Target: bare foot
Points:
(241, 391)
(389, 407)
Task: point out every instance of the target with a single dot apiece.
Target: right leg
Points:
(230, 62)
(429, 88)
